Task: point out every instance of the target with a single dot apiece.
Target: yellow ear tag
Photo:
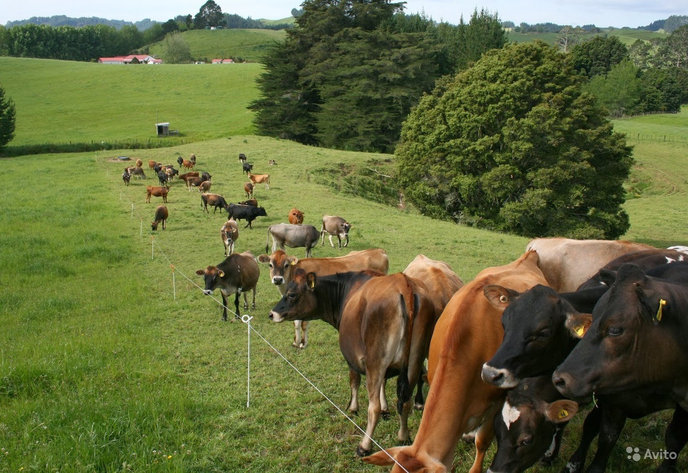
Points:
(658, 316)
(222, 274)
(563, 413)
(312, 284)
(580, 331)
(293, 263)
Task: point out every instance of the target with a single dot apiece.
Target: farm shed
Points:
(162, 129)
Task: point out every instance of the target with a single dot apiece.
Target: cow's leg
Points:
(331, 244)
(612, 422)
(404, 392)
(224, 307)
(346, 240)
(675, 438)
(236, 304)
(297, 333)
(384, 407)
(354, 384)
(339, 240)
(322, 236)
(591, 427)
(483, 438)
(304, 332)
(374, 381)
(246, 301)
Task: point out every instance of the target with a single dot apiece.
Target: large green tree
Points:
(513, 144)
(209, 15)
(598, 55)
(7, 118)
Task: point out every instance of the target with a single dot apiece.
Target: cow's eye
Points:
(291, 296)
(614, 331)
(270, 265)
(545, 332)
(525, 440)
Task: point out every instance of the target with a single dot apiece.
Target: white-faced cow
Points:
(237, 274)
(161, 214)
(229, 234)
(385, 324)
(466, 335)
(293, 236)
(568, 263)
(335, 226)
(282, 268)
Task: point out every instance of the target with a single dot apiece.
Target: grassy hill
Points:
(205, 45)
(627, 36)
(112, 359)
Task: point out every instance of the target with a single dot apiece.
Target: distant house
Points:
(223, 61)
(131, 59)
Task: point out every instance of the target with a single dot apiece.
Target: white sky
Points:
(602, 13)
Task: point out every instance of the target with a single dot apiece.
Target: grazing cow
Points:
(245, 212)
(568, 263)
(251, 202)
(295, 217)
(248, 189)
(152, 163)
(139, 163)
(180, 160)
(213, 200)
(187, 176)
(126, 177)
(161, 215)
(138, 172)
(282, 268)
(204, 186)
(194, 182)
(237, 274)
(192, 158)
(157, 192)
(333, 225)
(163, 178)
(242, 157)
(229, 234)
(530, 425)
(260, 179)
(247, 168)
(466, 335)
(293, 236)
(206, 176)
(384, 328)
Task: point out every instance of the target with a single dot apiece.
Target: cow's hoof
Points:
(302, 346)
(418, 406)
(361, 452)
(384, 415)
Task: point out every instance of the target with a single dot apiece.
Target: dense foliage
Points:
(351, 70)
(7, 118)
(513, 144)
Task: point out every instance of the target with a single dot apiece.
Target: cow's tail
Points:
(267, 242)
(404, 387)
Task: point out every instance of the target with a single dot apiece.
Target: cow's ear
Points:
(221, 273)
(500, 297)
(200, 272)
(607, 277)
(264, 258)
(578, 324)
(310, 280)
(561, 411)
(293, 260)
(383, 457)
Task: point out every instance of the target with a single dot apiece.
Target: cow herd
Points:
(570, 327)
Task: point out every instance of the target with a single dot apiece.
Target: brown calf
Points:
(295, 217)
(161, 215)
(248, 188)
(157, 191)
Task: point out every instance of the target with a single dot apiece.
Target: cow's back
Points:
(374, 259)
(568, 263)
(437, 276)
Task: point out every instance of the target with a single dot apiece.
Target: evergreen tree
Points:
(7, 118)
(598, 55)
(210, 15)
(513, 144)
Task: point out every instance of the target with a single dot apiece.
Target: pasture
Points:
(105, 365)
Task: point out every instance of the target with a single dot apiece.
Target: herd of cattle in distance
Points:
(513, 354)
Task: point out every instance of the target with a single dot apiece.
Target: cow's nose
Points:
(492, 375)
(560, 380)
(276, 317)
(277, 280)
(207, 292)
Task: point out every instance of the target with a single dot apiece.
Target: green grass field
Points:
(106, 366)
(627, 36)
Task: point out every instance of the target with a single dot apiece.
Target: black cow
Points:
(248, 167)
(126, 177)
(163, 178)
(245, 212)
(242, 157)
(530, 425)
(238, 273)
(180, 160)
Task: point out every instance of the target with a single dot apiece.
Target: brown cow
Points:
(194, 182)
(333, 225)
(187, 164)
(157, 191)
(161, 215)
(214, 200)
(137, 171)
(152, 163)
(229, 234)
(237, 274)
(251, 202)
(204, 186)
(467, 334)
(248, 188)
(260, 179)
(295, 217)
(385, 323)
(282, 268)
(192, 158)
(139, 163)
(568, 263)
(187, 175)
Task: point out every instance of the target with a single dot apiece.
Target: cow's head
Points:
(299, 301)
(536, 338)
(527, 427)
(629, 341)
(154, 225)
(280, 266)
(211, 276)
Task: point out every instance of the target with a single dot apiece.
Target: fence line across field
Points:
(246, 319)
